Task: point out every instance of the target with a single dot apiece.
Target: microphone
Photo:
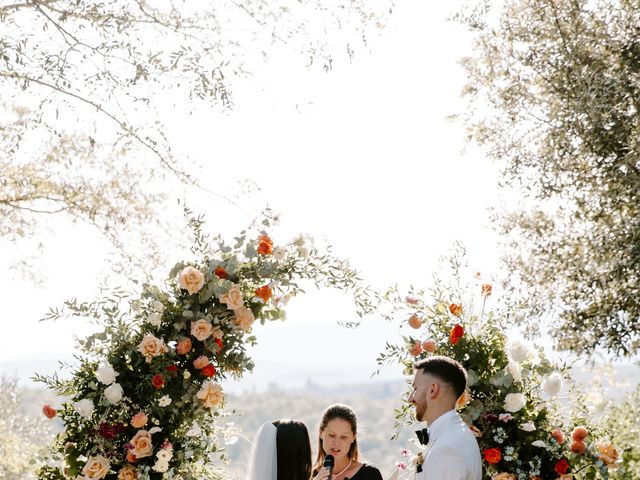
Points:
(328, 463)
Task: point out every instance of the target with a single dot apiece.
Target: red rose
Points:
(172, 368)
(457, 333)
(562, 467)
(208, 371)
(49, 411)
(218, 342)
(265, 245)
(221, 273)
(492, 455)
(264, 293)
(455, 309)
(158, 381)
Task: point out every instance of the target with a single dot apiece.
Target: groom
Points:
(452, 451)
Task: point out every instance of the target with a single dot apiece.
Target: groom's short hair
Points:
(446, 369)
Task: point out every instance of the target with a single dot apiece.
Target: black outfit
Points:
(367, 472)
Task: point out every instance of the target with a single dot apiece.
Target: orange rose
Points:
(184, 346)
(558, 436)
(456, 334)
(579, 434)
(608, 454)
(139, 420)
(264, 293)
(492, 455)
(415, 349)
(429, 346)
(578, 447)
(455, 309)
(49, 411)
(265, 245)
(414, 321)
(464, 399)
(131, 458)
(487, 288)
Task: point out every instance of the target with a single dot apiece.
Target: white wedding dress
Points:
(263, 459)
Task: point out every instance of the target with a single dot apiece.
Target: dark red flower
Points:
(562, 466)
(158, 381)
(172, 368)
(221, 273)
(208, 371)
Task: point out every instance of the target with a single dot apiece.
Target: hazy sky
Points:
(362, 156)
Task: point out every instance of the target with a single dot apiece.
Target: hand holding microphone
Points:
(328, 464)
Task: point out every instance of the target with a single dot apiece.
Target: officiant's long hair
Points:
(293, 450)
(342, 412)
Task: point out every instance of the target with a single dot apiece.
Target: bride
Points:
(280, 451)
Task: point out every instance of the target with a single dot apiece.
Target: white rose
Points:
(528, 427)
(158, 306)
(106, 374)
(154, 430)
(279, 253)
(113, 393)
(165, 454)
(155, 319)
(84, 408)
(552, 384)
(164, 401)
(519, 350)
(514, 402)
(161, 466)
(539, 443)
(514, 370)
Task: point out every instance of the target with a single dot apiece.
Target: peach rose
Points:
(558, 436)
(211, 394)
(127, 473)
(504, 476)
(579, 434)
(139, 420)
(96, 467)
(201, 362)
(183, 346)
(201, 329)
(233, 298)
(578, 447)
(429, 346)
(415, 349)
(191, 279)
(151, 346)
(142, 446)
(608, 454)
(414, 321)
(244, 318)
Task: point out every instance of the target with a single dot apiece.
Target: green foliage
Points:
(553, 93)
(622, 421)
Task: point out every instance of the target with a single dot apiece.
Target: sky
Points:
(363, 157)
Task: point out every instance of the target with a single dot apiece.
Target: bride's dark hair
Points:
(293, 450)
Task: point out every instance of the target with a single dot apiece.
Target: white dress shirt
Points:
(452, 452)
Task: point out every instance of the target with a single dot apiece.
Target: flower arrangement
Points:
(145, 399)
(511, 404)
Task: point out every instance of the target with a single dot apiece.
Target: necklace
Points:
(344, 469)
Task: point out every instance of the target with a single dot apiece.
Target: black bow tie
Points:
(423, 435)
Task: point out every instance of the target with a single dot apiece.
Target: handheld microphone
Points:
(328, 463)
